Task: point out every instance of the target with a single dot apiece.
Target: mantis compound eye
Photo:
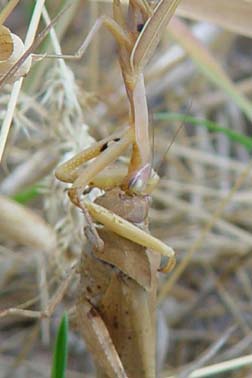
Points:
(144, 181)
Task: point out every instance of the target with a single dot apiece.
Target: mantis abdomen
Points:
(119, 285)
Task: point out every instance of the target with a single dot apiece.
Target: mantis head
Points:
(144, 181)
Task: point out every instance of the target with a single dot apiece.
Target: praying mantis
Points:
(118, 269)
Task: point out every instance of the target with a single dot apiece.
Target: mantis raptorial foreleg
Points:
(135, 48)
(134, 51)
(106, 151)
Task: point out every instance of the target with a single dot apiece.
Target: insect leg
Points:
(129, 231)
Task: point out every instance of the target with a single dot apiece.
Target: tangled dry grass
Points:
(202, 206)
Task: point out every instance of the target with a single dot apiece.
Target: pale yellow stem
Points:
(7, 10)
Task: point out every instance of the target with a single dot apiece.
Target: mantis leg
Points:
(128, 230)
(98, 340)
(105, 154)
(69, 171)
(116, 30)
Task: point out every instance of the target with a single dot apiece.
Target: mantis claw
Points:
(169, 266)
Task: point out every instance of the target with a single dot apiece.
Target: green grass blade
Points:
(60, 350)
(26, 195)
(211, 126)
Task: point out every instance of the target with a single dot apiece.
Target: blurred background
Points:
(199, 87)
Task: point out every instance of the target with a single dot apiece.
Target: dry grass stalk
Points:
(226, 13)
(22, 225)
(17, 86)
(197, 310)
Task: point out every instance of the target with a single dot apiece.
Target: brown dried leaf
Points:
(233, 15)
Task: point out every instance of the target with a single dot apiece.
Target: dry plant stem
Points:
(7, 10)
(206, 158)
(94, 59)
(228, 14)
(28, 341)
(241, 197)
(197, 244)
(17, 86)
(216, 98)
(9, 76)
(231, 305)
(24, 226)
(213, 370)
(117, 296)
(57, 48)
(207, 63)
(205, 216)
(50, 307)
(31, 171)
(209, 354)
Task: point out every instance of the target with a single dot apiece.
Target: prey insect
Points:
(118, 269)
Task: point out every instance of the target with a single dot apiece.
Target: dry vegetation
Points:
(202, 206)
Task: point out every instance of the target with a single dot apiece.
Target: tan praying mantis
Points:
(136, 44)
(117, 298)
(118, 270)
